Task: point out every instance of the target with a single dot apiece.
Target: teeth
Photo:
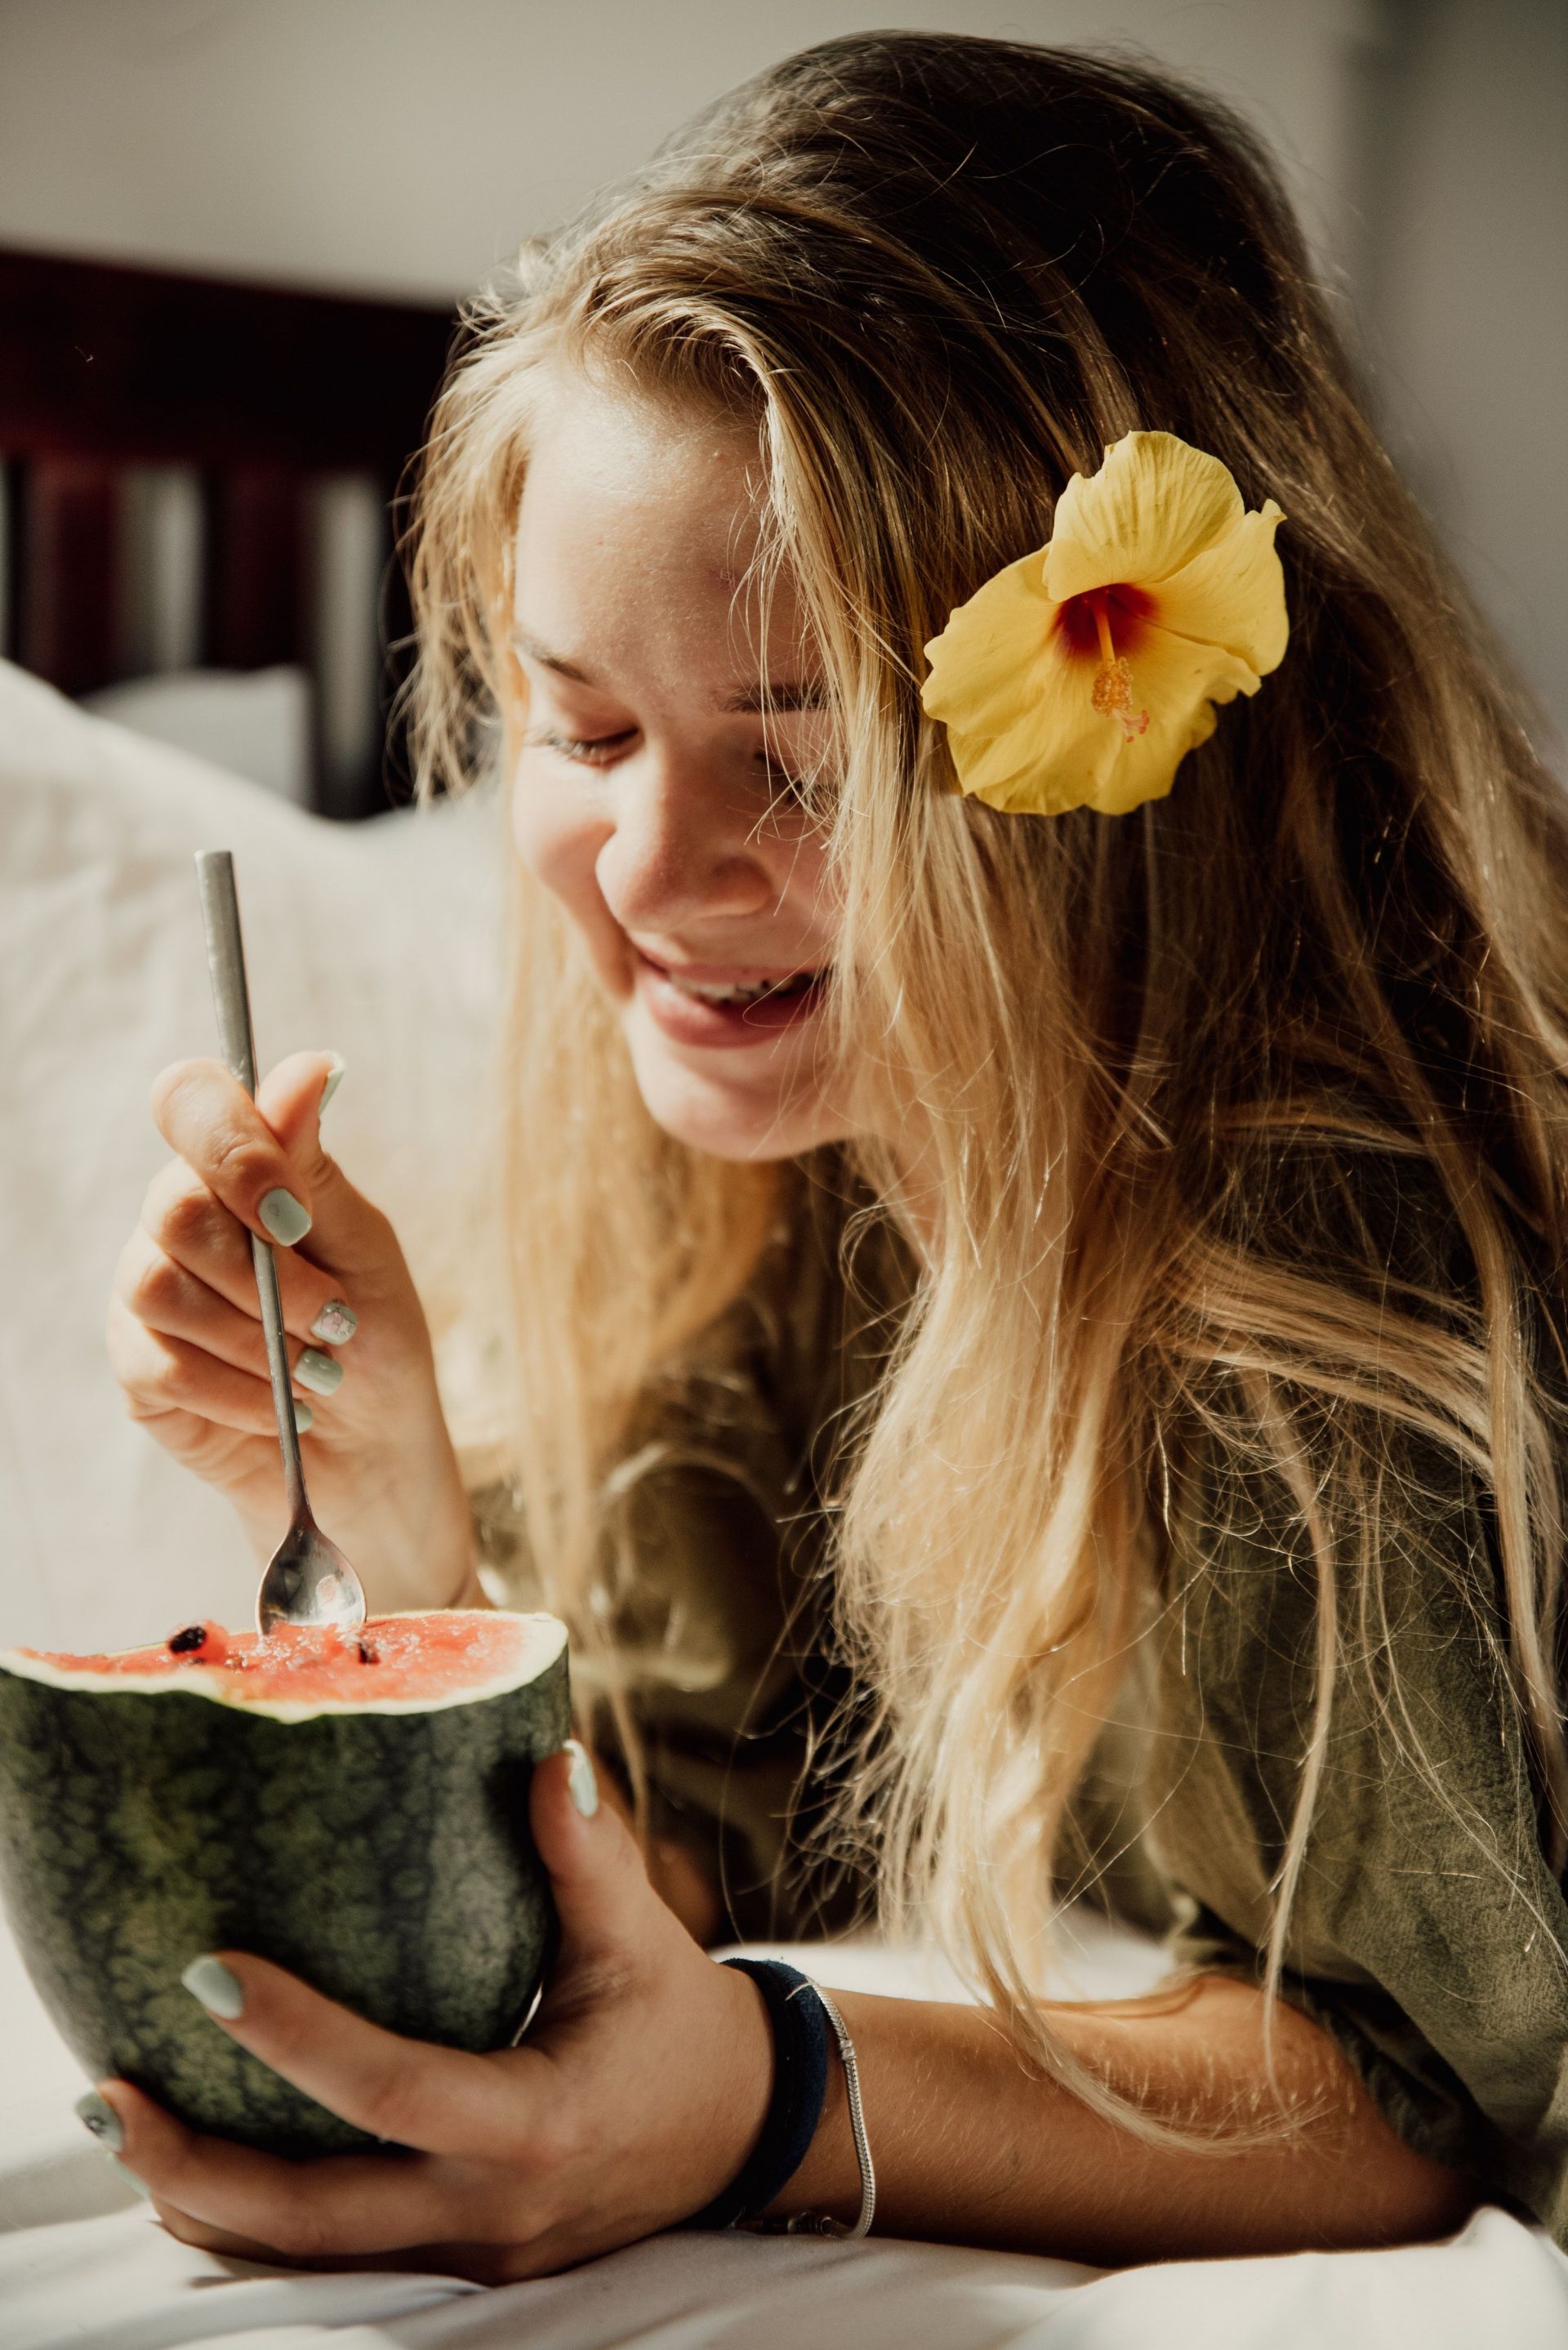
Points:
(706, 993)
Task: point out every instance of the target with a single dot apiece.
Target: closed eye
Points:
(587, 750)
(782, 783)
(603, 750)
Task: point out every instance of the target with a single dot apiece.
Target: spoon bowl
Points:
(308, 1581)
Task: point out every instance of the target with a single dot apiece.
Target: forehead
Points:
(610, 458)
(643, 515)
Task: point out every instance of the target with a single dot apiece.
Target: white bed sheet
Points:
(84, 2266)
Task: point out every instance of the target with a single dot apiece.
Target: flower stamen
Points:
(1112, 692)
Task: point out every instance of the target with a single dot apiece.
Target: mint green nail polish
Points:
(336, 1324)
(582, 1782)
(304, 1417)
(318, 1372)
(96, 2114)
(333, 1082)
(131, 2179)
(285, 1218)
(210, 1981)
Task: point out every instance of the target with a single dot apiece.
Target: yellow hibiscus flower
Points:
(1082, 676)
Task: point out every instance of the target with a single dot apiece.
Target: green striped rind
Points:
(383, 1856)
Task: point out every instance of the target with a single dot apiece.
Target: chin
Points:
(731, 1122)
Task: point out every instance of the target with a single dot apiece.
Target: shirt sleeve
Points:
(1428, 1931)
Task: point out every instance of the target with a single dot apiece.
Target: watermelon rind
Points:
(379, 1850)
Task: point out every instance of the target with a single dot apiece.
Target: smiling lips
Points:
(707, 1004)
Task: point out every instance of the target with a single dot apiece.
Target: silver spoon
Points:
(307, 1579)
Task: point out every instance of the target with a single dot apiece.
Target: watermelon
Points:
(351, 1804)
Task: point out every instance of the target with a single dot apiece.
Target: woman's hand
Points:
(636, 2098)
(185, 1335)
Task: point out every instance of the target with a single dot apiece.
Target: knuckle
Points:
(527, 2150)
(166, 1381)
(180, 2224)
(296, 2226)
(189, 1220)
(557, 2145)
(122, 1336)
(384, 2108)
(172, 1178)
(159, 1288)
(240, 1163)
(526, 2250)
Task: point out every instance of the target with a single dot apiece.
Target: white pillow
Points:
(379, 941)
(251, 723)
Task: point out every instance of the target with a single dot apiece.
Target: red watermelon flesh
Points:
(404, 1661)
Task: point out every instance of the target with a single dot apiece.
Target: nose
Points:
(684, 847)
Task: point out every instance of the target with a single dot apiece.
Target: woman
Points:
(994, 1264)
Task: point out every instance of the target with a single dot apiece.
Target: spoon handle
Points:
(232, 1002)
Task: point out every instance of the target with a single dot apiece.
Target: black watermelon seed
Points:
(367, 1655)
(194, 1636)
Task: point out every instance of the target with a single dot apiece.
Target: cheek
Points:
(558, 836)
(808, 881)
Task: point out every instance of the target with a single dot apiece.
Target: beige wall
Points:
(406, 144)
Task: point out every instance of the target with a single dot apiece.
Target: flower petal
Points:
(1063, 754)
(1234, 594)
(983, 663)
(1154, 505)
(1058, 752)
(1178, 682)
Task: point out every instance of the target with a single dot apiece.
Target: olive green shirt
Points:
(1427, 1933)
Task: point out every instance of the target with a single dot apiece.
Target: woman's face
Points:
(668, 720)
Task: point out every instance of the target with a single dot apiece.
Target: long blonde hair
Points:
(942, 274)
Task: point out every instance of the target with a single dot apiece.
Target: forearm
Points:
(971, 2148)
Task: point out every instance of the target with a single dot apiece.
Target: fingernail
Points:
(285, 1219)
(318, 1372)
(582, 1782)
(96, 2114)
(304, 1417)
(131, 2179)
(333, 1082)
(210, 1981)
(336, 1324)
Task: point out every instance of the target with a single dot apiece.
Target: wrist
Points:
(740, 2107)
(795, 2178)
(828, 2179)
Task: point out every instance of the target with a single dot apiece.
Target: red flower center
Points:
(1123, 610)
(1102, 625)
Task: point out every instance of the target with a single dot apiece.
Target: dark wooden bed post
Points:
(264, 393)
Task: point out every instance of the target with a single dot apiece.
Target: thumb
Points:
(347, 1234)
(292, 1098)
(596, 1873)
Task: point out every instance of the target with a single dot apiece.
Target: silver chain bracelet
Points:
(817, 2223)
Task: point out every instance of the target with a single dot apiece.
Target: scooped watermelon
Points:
(352, 1804)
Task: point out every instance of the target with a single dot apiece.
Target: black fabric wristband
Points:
(800, 2086)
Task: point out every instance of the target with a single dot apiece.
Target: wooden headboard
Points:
(262, 397)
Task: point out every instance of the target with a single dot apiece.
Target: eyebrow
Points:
(780, 695)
